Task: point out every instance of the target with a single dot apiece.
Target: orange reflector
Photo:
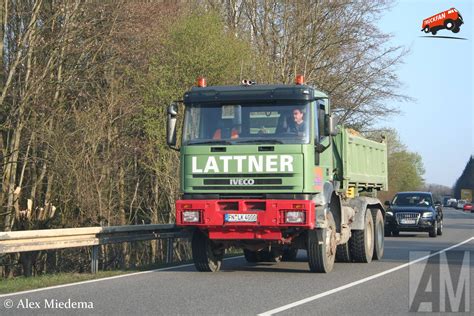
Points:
(187, 206)
(201, 82)
(299, 206)
(299, 79)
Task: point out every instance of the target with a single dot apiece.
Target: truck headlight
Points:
(191, 216)
(427, 215)
(295, 217)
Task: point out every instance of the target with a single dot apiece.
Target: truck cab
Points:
(260, 170)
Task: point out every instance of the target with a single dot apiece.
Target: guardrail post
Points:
(95, 259)
(169, 250)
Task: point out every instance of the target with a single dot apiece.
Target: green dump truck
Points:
(265, 169)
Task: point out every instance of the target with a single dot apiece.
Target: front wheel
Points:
(322, 247)
(456, 29)
(440, 228)
(426, 29)
(206, 257)
(433, 230)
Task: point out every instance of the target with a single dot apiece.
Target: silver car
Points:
(460, 204)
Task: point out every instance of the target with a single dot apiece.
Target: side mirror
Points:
(331, 124)
(171, 125)
(387, 203)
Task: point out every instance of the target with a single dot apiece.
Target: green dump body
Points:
(360, 163)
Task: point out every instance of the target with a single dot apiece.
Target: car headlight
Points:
(295, 217)
(427, 215)
(191, 216)
(389, 213)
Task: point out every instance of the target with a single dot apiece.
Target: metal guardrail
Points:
(47, 239)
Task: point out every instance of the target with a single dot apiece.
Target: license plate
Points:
(246, 218)
(408, 221)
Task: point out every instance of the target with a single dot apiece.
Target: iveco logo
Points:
(242, 181)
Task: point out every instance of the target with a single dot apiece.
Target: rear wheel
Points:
(361, 244)
(322, 247)
(434, 32)
(456, 29)
(378, 234)
(449, 24)
(343, 254)
(206, 257)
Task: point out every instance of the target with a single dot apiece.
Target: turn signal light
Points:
(299, 80)
(201, 82)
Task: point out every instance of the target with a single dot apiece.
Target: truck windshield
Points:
(249, 123)
(412, 199)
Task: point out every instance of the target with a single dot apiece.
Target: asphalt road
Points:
(381, 287)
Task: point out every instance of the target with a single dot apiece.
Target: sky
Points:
(438, 74)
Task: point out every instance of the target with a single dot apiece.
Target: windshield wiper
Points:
(262, 141)
(216, 141)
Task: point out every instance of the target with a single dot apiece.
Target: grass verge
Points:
(21, 283)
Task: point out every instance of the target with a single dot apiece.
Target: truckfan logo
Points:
(450, 20)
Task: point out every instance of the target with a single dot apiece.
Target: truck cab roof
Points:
(253, 92)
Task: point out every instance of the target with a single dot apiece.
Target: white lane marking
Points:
(349, 285)
(105, 279)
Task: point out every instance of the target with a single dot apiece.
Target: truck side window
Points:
(321, 122)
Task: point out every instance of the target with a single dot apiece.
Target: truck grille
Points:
(402, 216)
(244, 181)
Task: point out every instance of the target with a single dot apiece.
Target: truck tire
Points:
(321, 257)
(204, 256)
(379, 233)
(361, 244)
(289, 254)
(440, 228)
(456, 29)
(434, 230)
(343, 254)
(251, 256)
(449, 24)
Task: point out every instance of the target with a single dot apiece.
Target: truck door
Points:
(323, 158)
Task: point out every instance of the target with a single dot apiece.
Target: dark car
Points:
(413, 212)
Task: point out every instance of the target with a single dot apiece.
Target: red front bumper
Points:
(269, 223)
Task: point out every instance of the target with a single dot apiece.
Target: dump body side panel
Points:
(360, 162)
